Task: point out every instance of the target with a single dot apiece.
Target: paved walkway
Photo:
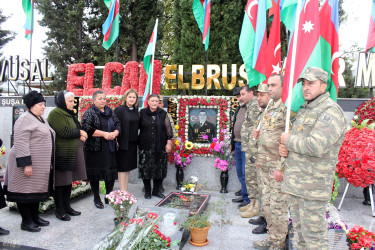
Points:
(84, 231)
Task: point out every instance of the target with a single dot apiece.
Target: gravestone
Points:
(196, 204)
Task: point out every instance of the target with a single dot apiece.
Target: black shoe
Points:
(3, 231)
(238, 193)
(159, 195)
(30, 228)
(238, 200)
(148, 196)
(258, 221)
(261, 229)
(366, 202)
(99, 204)
(73, 212)
(243, 204)
(40, 222)
(64, 217)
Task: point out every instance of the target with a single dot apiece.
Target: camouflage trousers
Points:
(251, 179)
(274, 206)
(309, 223)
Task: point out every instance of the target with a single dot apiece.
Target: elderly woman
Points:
(30, 171)
(69, 158)
(126, 156)
(154, 143)
(102, 127)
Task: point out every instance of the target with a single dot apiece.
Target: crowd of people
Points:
(283, 171)
(48, 155)
(279, 171)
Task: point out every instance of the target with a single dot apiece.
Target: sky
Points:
(354, 30)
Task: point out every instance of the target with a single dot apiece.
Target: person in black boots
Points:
(69, 158)
(102, 127)
(29, 174)
(2, 199)
(366, 194)
(154, 142)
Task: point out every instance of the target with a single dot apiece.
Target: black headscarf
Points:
(158, 126)
(107, 114)
(60, 103)
(32, 98)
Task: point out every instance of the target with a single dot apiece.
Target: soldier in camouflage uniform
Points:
(313, 147)
(252, 113)
(249, 146)
(273, 200)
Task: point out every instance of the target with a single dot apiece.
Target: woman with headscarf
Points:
(126, 156)
(69, 158)
(102, 127)
(154, 142)
(29, 175)
(2, 200)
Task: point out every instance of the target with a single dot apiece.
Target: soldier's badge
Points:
(300, 127)
(326, 118)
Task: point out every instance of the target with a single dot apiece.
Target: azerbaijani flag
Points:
(28, 8)
(253, 41)
(202, 13)
(370, 46)
(307, 51)
(274, 44)
(110, 27)
(329, 41)
(148, 63)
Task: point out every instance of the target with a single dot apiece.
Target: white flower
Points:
(192, 189)
(183, 189)
(194, 179)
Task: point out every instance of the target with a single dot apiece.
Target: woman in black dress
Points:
(2, 200)
(102, 128)
(154, 143)
(126, 156)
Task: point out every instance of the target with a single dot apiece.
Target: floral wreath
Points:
(222, 103)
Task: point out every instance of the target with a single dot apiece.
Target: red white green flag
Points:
(148, 64)
(111, 26)
(202, 14)
(274, 44)
(304, 50)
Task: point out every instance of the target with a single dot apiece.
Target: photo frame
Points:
(188, 109)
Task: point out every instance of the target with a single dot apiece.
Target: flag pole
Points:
(293, 62)
(153, 56)
(117, 58)
(31, 42)
(205, 86)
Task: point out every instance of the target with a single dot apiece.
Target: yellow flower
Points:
(176, 142)
(176, 127)
(189, 145)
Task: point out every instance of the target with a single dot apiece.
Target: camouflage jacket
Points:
(271, 128)
(252, 114)
(317, 135)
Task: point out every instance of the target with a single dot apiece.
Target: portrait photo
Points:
(203, 121)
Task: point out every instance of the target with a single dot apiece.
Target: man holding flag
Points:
(312, 149)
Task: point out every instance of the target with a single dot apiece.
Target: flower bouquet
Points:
(334, 219)
(190, 185)
(121, 202)
(224, 158)
(140, 233)
(359, 238)
(182, 152)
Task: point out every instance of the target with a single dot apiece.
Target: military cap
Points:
(236, 91)
(313, 74)
(263, 88)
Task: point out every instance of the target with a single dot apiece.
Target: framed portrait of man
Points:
(203, 121)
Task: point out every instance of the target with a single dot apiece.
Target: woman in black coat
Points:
(2, 200)
(154, 142)
(102, 128)
(126, 156)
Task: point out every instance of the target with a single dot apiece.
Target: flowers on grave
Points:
(356, 159)
(222, 104)
(121, 202)
(190, 184)
(221, 149)
(182, 152)
(140, 233)
(334, 219)
(359, 238)
(366, 111)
